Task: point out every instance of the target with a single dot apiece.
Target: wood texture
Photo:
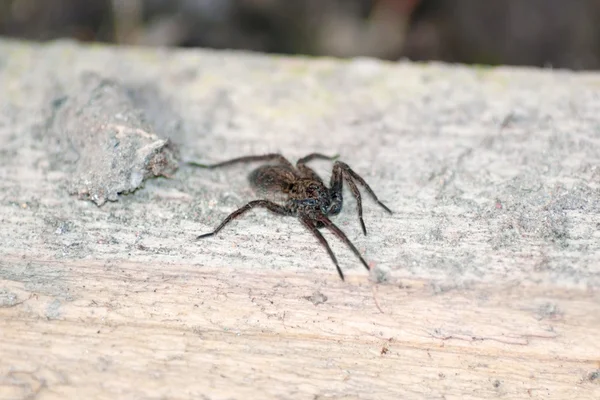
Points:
(138, 331)
(487, 274)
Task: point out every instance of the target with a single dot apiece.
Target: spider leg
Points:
(308, 172)
(274, 207)
(356, 193)
(266, 157)
(337, 178)
(339, 233)
(316, 156)
(308, 223)
(341, 171)
(360, 180)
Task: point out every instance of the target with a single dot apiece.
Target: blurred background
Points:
(545, 33)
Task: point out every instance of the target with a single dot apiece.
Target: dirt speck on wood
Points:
(316, 298)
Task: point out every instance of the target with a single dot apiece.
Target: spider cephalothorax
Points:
(307, 196)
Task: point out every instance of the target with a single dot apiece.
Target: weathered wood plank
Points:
(135, 330)
(488, 271)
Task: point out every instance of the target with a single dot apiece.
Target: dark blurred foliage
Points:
(557, 33)
(51, 19)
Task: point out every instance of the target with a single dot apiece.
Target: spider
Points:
(308, 198)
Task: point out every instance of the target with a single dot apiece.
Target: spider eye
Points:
(312, 190)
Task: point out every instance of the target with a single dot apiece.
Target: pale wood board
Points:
(489, 269)
(138, 331)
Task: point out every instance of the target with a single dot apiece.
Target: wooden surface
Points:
(138, 331)
(488, 272)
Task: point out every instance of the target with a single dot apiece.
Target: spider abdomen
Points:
(272, 178)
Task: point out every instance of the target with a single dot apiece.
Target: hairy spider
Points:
(307, 196)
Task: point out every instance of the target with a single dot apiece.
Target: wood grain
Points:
(488, 271)
(137, 331)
